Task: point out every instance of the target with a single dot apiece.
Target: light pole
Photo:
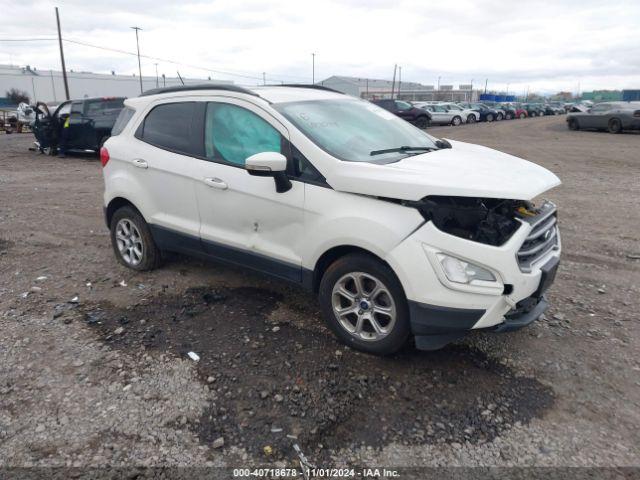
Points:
(313, 68)
(471, 92)
(64, 68)
(138, 47)
(157, 84)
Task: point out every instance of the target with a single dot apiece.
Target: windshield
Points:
(351, 130)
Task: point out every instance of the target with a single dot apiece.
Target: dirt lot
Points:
(94, 367)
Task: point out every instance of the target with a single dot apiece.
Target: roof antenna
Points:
(180, 77)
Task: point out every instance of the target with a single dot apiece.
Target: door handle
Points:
(140, 163)
(216, 182)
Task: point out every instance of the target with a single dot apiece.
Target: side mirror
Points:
(269, 164)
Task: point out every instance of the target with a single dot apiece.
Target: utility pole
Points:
(393, 83)
(313, 68)
(53, 86)
(157, 83)
(399, 80)
(64, 68)
(138, 47)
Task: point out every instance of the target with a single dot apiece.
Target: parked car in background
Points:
(441, 115)
(612, 116)
(90, 124)
(550, 109)
(558, 107)
(533, 110)
(486, 114)
(509, 111)
(417, 116)
(400, 234)
(468, 115)
(520, 111)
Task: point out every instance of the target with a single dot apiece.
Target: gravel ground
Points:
(94, 365)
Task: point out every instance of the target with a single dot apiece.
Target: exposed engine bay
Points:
(491, 221)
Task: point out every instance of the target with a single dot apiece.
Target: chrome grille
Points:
(542, 239)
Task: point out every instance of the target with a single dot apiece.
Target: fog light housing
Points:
(461, 271)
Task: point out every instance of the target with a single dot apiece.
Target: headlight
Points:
(460, 271)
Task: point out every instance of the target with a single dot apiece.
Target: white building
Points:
(371, 88)
(48, 85)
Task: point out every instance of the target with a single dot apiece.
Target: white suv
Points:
(399, 233)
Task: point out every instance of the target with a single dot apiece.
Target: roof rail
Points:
(308, 85)
(202, 86)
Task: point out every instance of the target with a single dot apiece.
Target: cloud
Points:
(545, 45)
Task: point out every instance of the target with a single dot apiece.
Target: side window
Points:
(76, 108)
(65, 109)
(403, 105)
(169, 126)
(234, 133)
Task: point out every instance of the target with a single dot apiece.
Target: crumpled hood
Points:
(466, 170)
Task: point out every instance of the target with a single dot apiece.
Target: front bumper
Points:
(441, 312)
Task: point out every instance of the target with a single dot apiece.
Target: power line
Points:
(174, 62)
(160, 59)
(28, 39)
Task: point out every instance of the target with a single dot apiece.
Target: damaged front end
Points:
(485, 220)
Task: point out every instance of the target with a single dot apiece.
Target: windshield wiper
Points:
(404, 148)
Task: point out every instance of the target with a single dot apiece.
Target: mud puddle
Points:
(275, 385)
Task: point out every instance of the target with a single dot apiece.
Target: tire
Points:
(472, 118)
(455, 121)
(490, 117)
(533, 114)
(499, 117)
(422, 122)
(356, 328)
(523, 115)
(572, 123)
(615, 126)
(147, 255)
(509, 116)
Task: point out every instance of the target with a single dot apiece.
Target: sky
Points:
(543, 46)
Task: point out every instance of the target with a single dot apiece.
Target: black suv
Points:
(419, 117)
(90, 123)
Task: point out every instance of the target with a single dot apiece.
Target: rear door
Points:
(243, 219)
(101, 114)
(162, 162)
(76, 132)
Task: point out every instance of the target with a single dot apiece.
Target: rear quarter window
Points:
(122, 120)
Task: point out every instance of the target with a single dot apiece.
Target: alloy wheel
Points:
(129, 242)
(363, 306)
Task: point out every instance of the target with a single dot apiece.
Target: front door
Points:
(243, 219)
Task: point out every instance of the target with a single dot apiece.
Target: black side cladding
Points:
(485, 220)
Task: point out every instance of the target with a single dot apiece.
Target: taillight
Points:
(104, 156)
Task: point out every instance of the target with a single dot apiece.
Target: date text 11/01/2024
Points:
(316, 473)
